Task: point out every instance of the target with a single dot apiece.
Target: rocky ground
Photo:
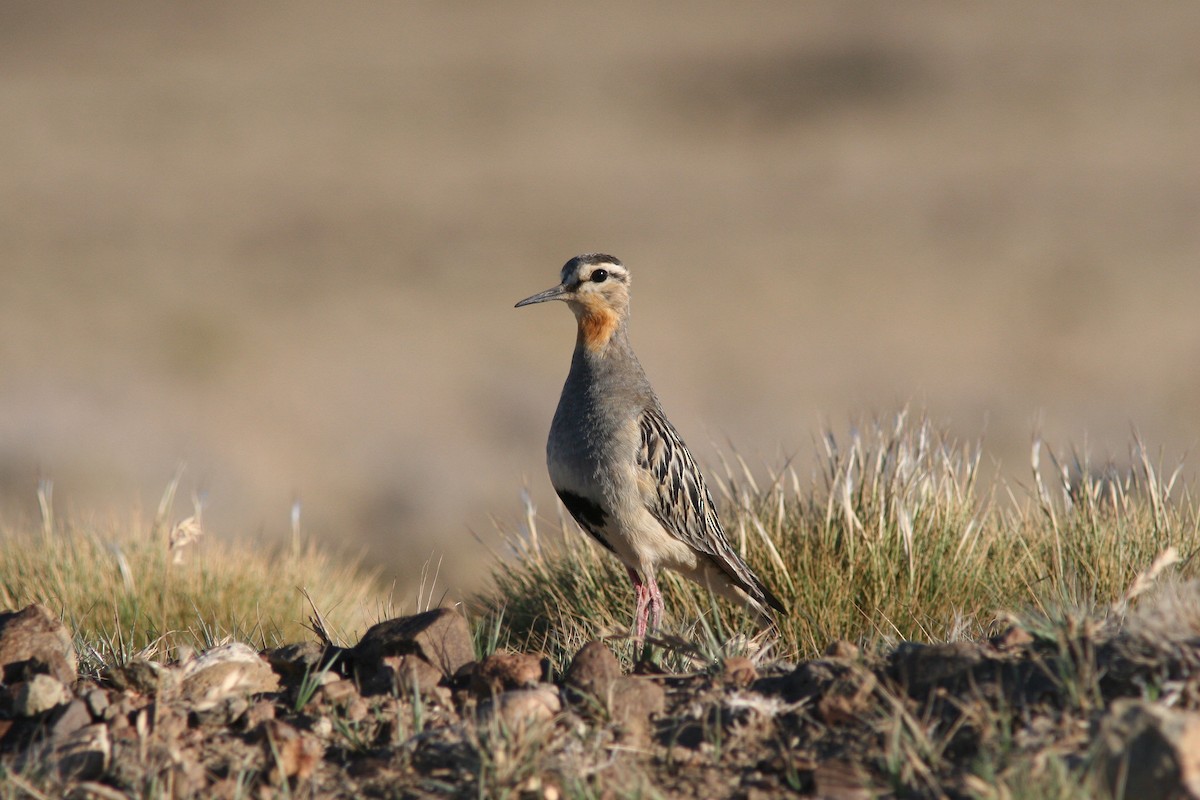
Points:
(410, 712)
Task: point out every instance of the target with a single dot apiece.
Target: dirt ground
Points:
(281, 241)
(1021, 714)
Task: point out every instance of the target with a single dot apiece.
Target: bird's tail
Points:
(753, 594)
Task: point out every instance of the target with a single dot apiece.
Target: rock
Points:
(38, 694)
(595, 683)
(83, 754)
(920, 667)
(143, 676)
(505, 671)
(1151, 751)
(231, 669)
(632, 703)
(397, 674)
(841, 690)
(357, 710)
(441, 636)
(738, 671)
(73, 717)
(809, 679)
(294, 661)
(1013, 638)
(292, 753)
(593, 672)
(122, 706)
(257, 714)
(515, 710)
(218, 713)
(167, 722)
(322, 726)
(840, 648)
(412, 672)
(33, 641)
(97, 700)
(847, 699)
(339, 692)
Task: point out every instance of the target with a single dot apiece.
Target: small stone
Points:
(73, 717)
(218, 713)
(97, 700)
(258, 713)
(295, 661)
(633, 702)
(121, 706)
(291, 752)
(504, 671)
(83, 754)
(33, 641)
(840, 648)
(170, 721)
(738, 671)
(357, 710)
(808, 679)
(515, 710)
(398, 674)
(38, 694)
(1013, 638)
(143, 676)
(848, 697)
(338, 692)
(1151, 751)
(413, 672)
(442, 637)
(593, 672)
(920, 667)
(230, 669)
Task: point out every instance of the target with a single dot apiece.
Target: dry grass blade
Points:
(894, 539)
(122, 587)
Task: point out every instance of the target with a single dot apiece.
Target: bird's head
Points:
(596, 288)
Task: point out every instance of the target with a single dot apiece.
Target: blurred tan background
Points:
(281, 241)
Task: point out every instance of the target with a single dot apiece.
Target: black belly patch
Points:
(590, 516)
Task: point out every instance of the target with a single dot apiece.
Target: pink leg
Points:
(645, 601)
(656, 603)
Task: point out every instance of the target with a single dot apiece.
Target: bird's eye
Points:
(600, 276)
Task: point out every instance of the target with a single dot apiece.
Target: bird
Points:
(619, 466)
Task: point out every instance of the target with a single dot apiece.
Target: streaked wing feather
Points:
(681, 502)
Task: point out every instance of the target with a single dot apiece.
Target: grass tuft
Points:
(893, 538)
(134, 587)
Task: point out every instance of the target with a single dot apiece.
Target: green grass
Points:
(894, 538)
(139, 586)
(896, 535)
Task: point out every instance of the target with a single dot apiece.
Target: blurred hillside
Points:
(281, 241)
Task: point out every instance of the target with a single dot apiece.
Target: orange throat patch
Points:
(596, 327)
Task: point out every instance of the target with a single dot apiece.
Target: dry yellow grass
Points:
(148, 585)
(893, 539)
(895, 536)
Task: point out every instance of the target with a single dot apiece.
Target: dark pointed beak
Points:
(560, 292)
